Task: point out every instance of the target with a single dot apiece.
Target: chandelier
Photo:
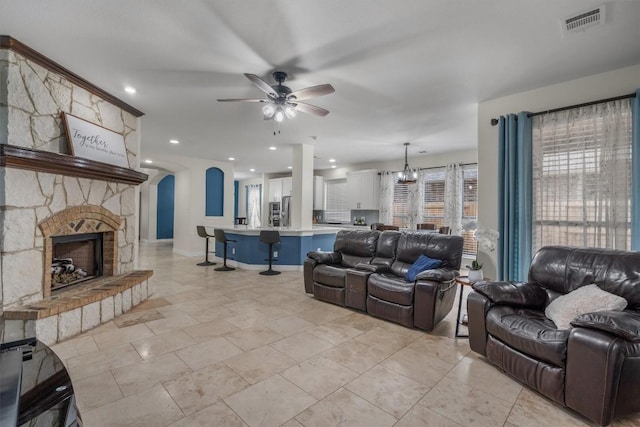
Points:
(278, 110)
(408, 175)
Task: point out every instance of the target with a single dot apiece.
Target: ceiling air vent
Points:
(583, 21)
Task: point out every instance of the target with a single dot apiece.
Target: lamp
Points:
(279, 115)
(408, 175)
(269, 110)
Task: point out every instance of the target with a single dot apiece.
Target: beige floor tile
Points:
(251, 319)
(447, 349)
(422, 368)
(291, 423)
(356, 356)
(218, 415)
(290, 325)
(302, 346)
(270, 402)
(465, 404)
(388, 390)
(184, 296)
(344, 408)
(120, 336)
(171, 322)
(479, 373)
(199, 389)
(75, 347)
(254, 337)
(136, 317)
(533, 410)
(89, 364)
(259, 364)
(321, 315)
(319, 376)
(211, 313)
(152, 407)
(162, 344)
(384, 340)
(95, 391)
(208, 353)
(208, 330)
(147, 373)
(424, 417)
(149, 304)
(335, 334)
(360, 321)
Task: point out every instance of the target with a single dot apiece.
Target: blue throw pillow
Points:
(422, 263)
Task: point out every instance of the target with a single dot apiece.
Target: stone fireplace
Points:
(58, 211)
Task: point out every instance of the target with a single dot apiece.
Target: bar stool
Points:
(202, 232)
(270, 237)
(221, 237)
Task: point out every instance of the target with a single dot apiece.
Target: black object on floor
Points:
(202, 232)
(222, 238)
(270, 237)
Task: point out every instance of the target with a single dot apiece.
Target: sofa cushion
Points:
(356, 246)
(422, 263)
(437, 246)
(329, 275)
(530, 332)
(389, 287)
(587, 299)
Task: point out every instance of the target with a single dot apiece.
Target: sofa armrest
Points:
(623, 324)
(438, 275)
(520, 294)
(326, 257)
(372, 268)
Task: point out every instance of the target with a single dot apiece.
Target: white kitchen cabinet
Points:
(363, 189)
(318, 193)
(287, 186)
(275, 190)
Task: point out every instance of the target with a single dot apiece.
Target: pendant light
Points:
(408, 175)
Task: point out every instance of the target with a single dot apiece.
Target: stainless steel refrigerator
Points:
(274, 214)
(285, 212)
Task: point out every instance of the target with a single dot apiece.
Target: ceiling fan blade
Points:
(310, 109)
(244, 100)
(312, 92)
(262, 85)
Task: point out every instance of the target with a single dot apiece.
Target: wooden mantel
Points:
(63, 164)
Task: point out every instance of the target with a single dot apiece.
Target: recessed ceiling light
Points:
(252, 170)
(148, 161)
(333, 166)
(332, 160)
(272, 148)
(174, 141)
(232, 158)
(289, 167)
(130, 89)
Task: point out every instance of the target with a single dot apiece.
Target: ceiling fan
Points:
(281, 101)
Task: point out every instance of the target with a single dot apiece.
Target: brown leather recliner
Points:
(325, 272)
(593, 368)
(426, 301)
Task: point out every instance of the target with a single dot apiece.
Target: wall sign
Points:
(95, 142)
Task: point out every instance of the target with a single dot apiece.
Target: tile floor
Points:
(235, 349)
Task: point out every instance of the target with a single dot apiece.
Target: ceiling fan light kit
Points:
(281, 101)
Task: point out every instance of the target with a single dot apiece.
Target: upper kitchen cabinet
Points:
(363, 189)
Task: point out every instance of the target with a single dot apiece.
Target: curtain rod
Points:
(494, 121)
(434, 167)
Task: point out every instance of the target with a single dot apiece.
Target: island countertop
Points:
(284, 231)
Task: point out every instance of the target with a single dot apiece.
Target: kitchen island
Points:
(249, 253)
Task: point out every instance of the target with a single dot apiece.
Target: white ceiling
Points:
(403, 70)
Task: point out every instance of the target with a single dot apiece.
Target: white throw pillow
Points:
(587, 299)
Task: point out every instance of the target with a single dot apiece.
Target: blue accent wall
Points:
(292, 250)
(214, 192)
(164, 211)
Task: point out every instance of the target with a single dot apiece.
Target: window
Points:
(337, 209)
(401, 204)
(469, 206)
(433, 206)
(582, 177)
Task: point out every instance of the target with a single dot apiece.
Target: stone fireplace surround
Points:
(45, 192)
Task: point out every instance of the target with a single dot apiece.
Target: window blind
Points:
(433, 207)
(401, 204)
(337, 209)
(470, 205)
(582, 177)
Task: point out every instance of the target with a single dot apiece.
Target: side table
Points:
(462, 281)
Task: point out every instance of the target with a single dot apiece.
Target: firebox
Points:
(76, 258)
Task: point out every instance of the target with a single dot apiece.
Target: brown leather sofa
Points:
(366, 271)
(592, 368)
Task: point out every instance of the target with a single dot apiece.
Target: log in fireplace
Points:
(76, 258)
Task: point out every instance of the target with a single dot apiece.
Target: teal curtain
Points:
(635, 172)
(514, 197)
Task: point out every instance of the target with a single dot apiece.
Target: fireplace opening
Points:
(76, 258)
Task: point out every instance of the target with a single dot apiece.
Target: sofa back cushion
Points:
(356, 246)
(386, 249)
(412, 244)
(562, 269)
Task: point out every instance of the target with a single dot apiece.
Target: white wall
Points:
(149, 204)
(600, 86)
